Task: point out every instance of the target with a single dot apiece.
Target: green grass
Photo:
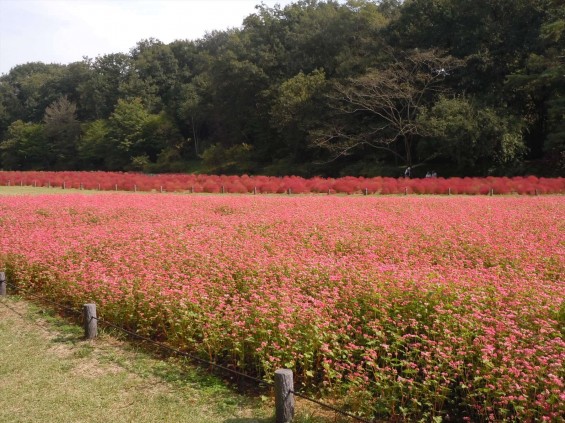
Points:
(49, 373)
(18, 190)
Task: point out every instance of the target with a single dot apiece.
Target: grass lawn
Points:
(49, 374)
(18, 190)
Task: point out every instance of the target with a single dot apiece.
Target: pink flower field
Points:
(396, 308)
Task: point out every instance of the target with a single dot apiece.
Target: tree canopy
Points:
(330, 88)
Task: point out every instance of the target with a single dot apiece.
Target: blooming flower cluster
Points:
(289, 184)
(396, 307)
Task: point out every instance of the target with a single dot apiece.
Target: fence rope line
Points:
(192, 357)
(147, 339)
(182, 353)
(42, 298)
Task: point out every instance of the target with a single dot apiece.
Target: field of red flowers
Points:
(109, 181)
(400, 308)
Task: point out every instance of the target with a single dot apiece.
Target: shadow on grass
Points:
(248, 420)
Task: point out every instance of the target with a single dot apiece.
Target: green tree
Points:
(539, 87)
(28, 89)
(296, 110)
(94, 145)
(477, 138)
(25, 148)
(62, 130)
(99, 94)
(155, 75)
(126, 133)
(380, 109)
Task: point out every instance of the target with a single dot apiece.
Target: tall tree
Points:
(62, 130)
(155, 75)
(479, 139)
(126, 133)
(25, 148)
(539, 88)
(381, 108)
(99, 94)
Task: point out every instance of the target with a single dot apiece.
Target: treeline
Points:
(315, 88)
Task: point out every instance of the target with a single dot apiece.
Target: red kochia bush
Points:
(530, 185)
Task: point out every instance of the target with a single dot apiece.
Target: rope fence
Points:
(283, 381)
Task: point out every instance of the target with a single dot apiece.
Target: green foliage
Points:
(294, 94)
(62, 130)
(234, 160)
(269, 85)
(93, 145)
(473, 136)
(25, 147)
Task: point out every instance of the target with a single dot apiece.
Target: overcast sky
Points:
(63, 31)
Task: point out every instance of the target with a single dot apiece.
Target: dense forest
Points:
(315, 88)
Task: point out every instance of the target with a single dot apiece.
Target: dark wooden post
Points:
(284, 396)
(90, 321)
(366, 191)
(2, 284)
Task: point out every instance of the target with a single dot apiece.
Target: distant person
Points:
(428, 174)
(434, 174)
(407, 172)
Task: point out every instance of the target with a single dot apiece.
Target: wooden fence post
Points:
(90, 321)
(284, 395)
(2, 284)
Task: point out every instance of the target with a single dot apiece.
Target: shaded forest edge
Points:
(317, 88)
